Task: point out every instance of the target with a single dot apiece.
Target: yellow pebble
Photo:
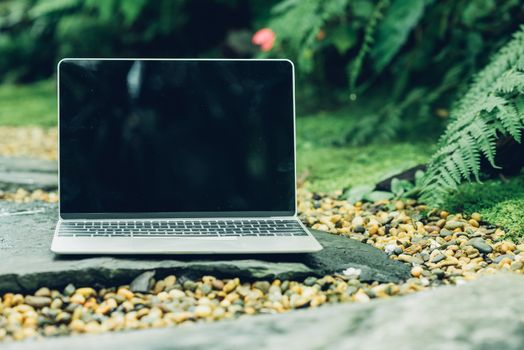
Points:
(77, 299)
(476, 216)
(77, 326)
(124, 292)
(373, 229)
(17, 299)
(170, 281)
(203, 311)
(85, 292)
(231, 285)
(159, 287)
(417, 271)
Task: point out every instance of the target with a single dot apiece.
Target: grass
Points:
(333, 165)
(24, 105)
(499, 202)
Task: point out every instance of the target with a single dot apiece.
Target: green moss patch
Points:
(331, 164)
(500, 203)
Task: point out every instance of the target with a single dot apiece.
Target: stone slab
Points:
(485, 314)
(27, 173)
(26, 232)
(12, 164)
(11, 181)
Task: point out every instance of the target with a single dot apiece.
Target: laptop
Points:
(177, 156)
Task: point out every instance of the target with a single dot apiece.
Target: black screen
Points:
(188, 136)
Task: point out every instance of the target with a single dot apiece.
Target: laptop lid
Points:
(153, 138)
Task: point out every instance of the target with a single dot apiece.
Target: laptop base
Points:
(82, 240)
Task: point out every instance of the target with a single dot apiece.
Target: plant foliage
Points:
(492, 108)
(412, 55)
(36, 34)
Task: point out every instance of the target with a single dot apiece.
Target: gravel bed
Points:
(24, 196)
(170, 302)
(28, 141)
(442, 249)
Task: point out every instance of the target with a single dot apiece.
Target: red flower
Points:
(265, 38)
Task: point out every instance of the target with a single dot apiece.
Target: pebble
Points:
(77, 299)
(481, 245)
(56, 303)
(263, 286)
(390, 249)
(476, 217)
(454, 224)
(37, 301)
(69, 290)
(217, 284)
(43, 292)
(499, 258)
(203, 311)
(438, 272)
(310, 281)
(143, 282)
(169, 281)
(445, 233)
(190, 285)
(438, 258)
(416, 271)
(77, 326)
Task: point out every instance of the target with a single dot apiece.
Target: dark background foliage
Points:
(412, 55)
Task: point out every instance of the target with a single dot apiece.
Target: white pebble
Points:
(352, 272)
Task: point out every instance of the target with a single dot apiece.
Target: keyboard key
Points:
(182, 228)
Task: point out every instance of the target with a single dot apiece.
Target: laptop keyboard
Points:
(182, 228)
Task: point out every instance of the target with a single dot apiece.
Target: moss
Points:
(499, 202)
(332, 165)
(33, 104)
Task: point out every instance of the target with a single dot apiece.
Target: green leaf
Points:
(342, 37)
(45, 7)
(419, 176)
(475, 10)
(132, 9)
(362, 8)
(378, 196)
(393, 31)
(357, 193)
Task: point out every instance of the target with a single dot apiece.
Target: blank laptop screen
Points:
(189, 137)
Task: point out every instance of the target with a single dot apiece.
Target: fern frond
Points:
(356, 65)
(469, 156)
(492, 107)
(485, 138)
(510, 120)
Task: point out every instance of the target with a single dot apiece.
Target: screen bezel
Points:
(179, 215)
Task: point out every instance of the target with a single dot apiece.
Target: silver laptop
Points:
(161, 156)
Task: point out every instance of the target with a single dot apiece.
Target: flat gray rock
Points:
(485, 314)
(11, 164)
(26, 232)
(30, 174)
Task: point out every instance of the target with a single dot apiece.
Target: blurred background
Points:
(376, 79)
